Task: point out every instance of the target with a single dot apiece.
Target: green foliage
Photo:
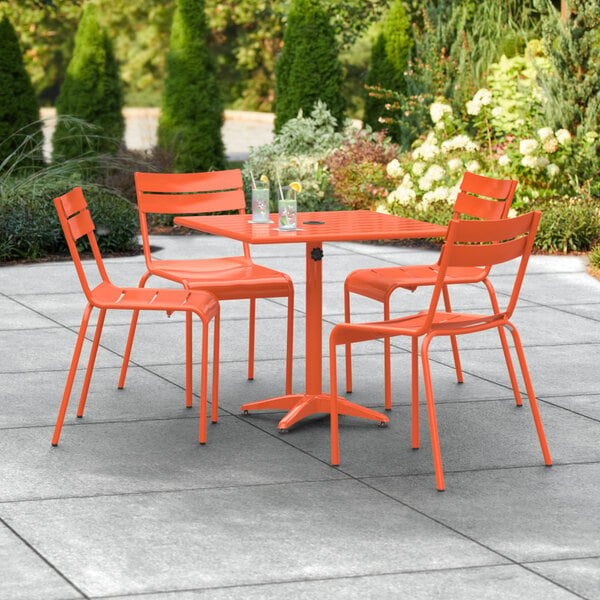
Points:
(20, 128)
(297, 153)
(594, 257)
(568, 225)
(308, 69)
(357, 169)
(398, 41)
(92, 91)
(573, 86)
(30, 229)
(192, 112)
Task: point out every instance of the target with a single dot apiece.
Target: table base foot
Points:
(303, 405)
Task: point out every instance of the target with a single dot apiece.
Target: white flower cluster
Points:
(528, 146)
(437, 111)
(434, 173)
(482, 97)
(428, 149)
(404, 193)
(563, 136)
(394, 169)
(459, 142)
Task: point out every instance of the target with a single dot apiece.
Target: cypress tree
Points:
(308, 68)
(389, 61)
(573, 87)
(192, 110)
(20, 127)
(92, 91)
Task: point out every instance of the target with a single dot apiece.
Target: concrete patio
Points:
(129, 505)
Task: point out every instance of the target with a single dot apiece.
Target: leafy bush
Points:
(357, 170)
(30, 229)
(594, 258)
(29, 226)
(568, 225)
(297, 153)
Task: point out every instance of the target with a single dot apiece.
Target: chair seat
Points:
(229, 278)
(444, 323)
(378, 284)
(107, 295)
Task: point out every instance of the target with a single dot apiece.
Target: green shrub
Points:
(192, 111)
(30, 229)
(297, 153)
(357, 169)
(92, 91)
(308, 68)
(20, 128)
(568, 225)
(594, 257)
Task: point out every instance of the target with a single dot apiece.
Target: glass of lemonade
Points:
(260, 202)
(287, 208)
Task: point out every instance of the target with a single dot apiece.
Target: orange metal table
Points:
(314, 228)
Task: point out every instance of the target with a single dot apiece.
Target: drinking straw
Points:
(253, 182)
(280, 188)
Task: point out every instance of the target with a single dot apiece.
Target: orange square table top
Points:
(326, 226)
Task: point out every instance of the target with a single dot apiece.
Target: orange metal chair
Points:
(479, 197)
(228, 278)
(76, 222)
(469, 245)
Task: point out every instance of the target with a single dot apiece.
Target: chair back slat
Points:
(484, 197)
(191, 203)
(187, 193)
(81, 224)
(489, 255)
(76, 222)
(480, 208)
(499, 189)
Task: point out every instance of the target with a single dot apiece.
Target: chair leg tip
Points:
(442, 490)
(202, 443)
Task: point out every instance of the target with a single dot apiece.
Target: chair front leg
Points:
(387, 360)
(215, 381)
(433, 429)
(453, 342)
(289, 357)
(91, 362)
(333, 407)
(203, 380)
(71, 377)
(188, 360)
(348, 346)
(130, 336)
(415, 392)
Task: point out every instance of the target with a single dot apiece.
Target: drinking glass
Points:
(287, 208)
(260, 202)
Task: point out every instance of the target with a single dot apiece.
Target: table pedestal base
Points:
(303, 405)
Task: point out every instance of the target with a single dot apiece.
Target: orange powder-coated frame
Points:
(76, 222)
(479, 197)
(228, 278)
(314, 228)
(469, 244)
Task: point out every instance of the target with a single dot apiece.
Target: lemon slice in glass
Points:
(264, 178)
(296, 186)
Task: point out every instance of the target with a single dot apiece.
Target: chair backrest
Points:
(187, 193)
(484, 197)
(472, 243)
(76, 223)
